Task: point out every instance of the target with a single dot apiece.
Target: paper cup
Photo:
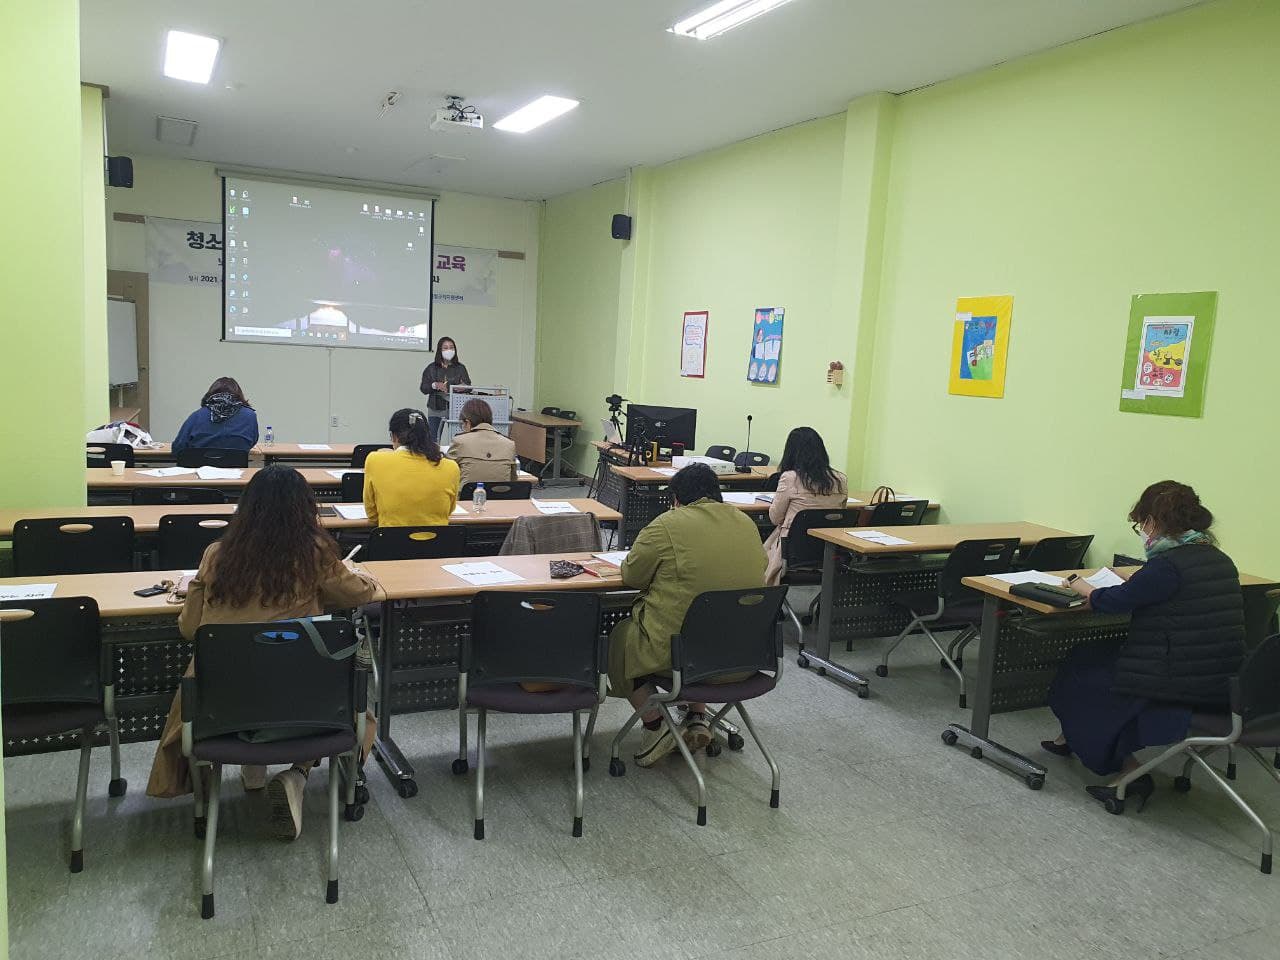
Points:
(117, 467)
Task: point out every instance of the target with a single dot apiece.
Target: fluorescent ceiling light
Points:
(189, 56)
(535, 114)
(722, 16)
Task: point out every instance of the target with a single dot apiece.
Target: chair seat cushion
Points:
(513, 698)
(25, 720)
(231, 749)
(802, 575)
(925, 603)
(753, 686)
(1264, 732)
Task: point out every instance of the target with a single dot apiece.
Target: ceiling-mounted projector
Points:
(455, 116)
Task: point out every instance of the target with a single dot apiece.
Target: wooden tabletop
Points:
(101, 478)
(113, 591)
(335, 451)
(543, 419)
(857, 498)
(650, 475)
(415, 579)
(146, 519)
(936, 537)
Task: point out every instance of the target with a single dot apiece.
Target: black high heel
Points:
(1140, 789)
(1057, 749)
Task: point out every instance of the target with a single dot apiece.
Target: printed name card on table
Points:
(167, 472)
(351, 511)
(1028, 576)
(615, 557)
(459, 511)
(482, 574)
(339, 473)
(29, 591)
(666, 471)
(314, 446)
(219, 473)
(743, 499)
(878, 536)
(554, 506)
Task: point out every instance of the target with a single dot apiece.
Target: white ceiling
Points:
(299, 82)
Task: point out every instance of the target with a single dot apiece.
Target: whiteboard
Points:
(122, 342)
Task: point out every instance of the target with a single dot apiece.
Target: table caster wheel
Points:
(1035, 781)
(354, 812)
(976, 753)
(949, 737)
(1182, 784)
(616, 767)
(736, 742)
(881, 670)
(802, 662)
(407, 788)
(459, 766)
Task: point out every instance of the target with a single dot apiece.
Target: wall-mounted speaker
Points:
(119, 171)
(621, 227)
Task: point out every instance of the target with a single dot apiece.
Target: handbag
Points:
(883, 494)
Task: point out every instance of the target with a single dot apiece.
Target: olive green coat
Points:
(704, 546)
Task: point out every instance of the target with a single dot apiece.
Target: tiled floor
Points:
(888, 844)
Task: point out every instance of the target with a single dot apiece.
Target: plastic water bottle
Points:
(270, 436)
(479, 498)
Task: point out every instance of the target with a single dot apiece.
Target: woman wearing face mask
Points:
(1186, 639)
(444, 371)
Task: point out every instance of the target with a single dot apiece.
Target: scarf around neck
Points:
(223, 406)
(1162, 543)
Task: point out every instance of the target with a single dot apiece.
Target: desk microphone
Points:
(745, 466)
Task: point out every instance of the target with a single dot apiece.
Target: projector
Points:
(450, 118)
(718, 467)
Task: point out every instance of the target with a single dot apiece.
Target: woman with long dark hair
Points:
(412, 484)
(442, 372)
(275, 562)
(225, 420)
(806, 481)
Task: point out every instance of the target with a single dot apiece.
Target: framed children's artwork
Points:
(980, 346)
(693, 344)
(1166, 356)
(764, 362)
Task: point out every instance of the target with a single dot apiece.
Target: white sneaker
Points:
(654, 745)
(284, 792)
(253, 777)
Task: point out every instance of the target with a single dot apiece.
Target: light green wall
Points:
(96, 403)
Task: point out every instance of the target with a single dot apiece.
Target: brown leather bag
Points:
(883, 494)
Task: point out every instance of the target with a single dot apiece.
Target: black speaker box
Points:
(120, 171)
(621, 226)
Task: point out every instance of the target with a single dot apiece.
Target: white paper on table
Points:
(763, 497)
(167, 472)
(482, 574)
(351, 511)
(459, 511)
(554, 506)
(1106, 577)
(666, 471)
(314, 446)
(339, 473)
(615, 557)
(31, 591)
(878, 536)
(188, 573)
(219, 473)
(746, 499)
(1028, 576)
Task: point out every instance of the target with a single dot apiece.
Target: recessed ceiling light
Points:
(535, 114)
(722, 16)
(189, 56)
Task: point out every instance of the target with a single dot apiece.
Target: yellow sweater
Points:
(404, 489)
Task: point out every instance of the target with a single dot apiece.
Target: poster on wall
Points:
(765, 361)
(693, 344)
(465, 276)
(186, 252)
(980, 346)
(1166, 353)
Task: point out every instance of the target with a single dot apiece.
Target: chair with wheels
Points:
(415, 543)
(1056, 553)
(751, 458)
(361, 452)
(213, 457)
(101, 454)
(500, 490)
(57, 678)
(725, 633)
(175, 496)
(68, 545)
(241, 671)
(352, 487)
(953, 604)
(1252, 723)
(183, 538)
(720, 451)
(517, 638)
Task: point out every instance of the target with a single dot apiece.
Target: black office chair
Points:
(953, 604)
(213, 457)
(175, 496)
(184, 536)
(894, 513)
(352, 488)
(56, 678)
(242, 673)
(415, 543)
(725, 632)
(550, 411)
(721, 452)
(362, 450)
(1056, 553)
(500, 490)
(552, 638)
(101, 454)
(65, 545)
(751, 458)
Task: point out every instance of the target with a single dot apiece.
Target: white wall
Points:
(297, 389)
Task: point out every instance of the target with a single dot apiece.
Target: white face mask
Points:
(447, 354)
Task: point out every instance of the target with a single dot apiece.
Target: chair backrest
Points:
(1255, 693)
(569, 414)
(751, 458)
(729, 631)
(1057, 553)
(415, 543)
(551, 411)
(721, 452)
(101, 454)
(265, 676)
(213, 457)
(552, 637)
(72, 545)
(1259, 616)
(800, 549)
(184, 536)
(895, 513)
(552, 533)
(353, 487)
(172, 496)
(499, 490)
(54, 656)
(362, 451)
(975, 558)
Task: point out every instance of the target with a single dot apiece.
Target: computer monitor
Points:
(666, 425)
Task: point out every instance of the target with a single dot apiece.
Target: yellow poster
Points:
(980, 346)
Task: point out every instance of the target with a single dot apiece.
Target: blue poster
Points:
(977, 351)
(765, 360)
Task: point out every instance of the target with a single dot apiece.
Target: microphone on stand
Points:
(745, 467)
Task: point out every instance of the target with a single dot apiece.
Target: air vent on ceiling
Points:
(180, 133)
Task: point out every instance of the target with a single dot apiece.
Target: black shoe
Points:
(1057, 749)
(1140, 790)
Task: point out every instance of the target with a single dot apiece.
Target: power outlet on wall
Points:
(333, 421)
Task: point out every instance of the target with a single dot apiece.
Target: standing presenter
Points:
(444, 371)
